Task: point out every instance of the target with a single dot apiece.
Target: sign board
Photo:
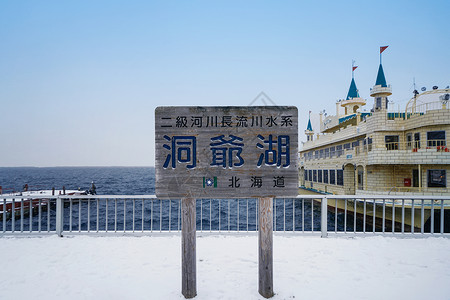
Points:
(226, 152)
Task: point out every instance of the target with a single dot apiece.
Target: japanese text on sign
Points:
(225, 152)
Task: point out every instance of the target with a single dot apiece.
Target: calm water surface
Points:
(141, 181)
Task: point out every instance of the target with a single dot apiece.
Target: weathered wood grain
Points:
(265, 240)
(188, 248)
(183, 179)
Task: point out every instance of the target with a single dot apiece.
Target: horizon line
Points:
(77, 166)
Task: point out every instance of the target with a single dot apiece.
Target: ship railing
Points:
(401, 190)
(418, 146)
(322, 215)
(420, 109)
(353, 150)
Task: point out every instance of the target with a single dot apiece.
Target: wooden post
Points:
(265, 239)
(188, 248)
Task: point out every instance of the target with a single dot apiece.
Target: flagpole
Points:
(381, 51)
(353, 69)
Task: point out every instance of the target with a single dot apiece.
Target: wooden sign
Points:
(226, 152)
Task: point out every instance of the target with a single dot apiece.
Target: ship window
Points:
(310, 175)
(391, 142)
(319, 176)
(409, 141)
(340, 177)
(415, 178)
(332, 177)
(332, 151)
(437, 178)
(360, 180)
(369, 144)
(339, 151)
(417, 140)
(436, 138)
(315, 175)
(327, 152)
(325, 176)
(378, 103)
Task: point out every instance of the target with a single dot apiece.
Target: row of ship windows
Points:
(434, 139)
(435, 178)
(325, 176)
(337, 151)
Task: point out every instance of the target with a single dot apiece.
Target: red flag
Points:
(383, 48)
(354, 68)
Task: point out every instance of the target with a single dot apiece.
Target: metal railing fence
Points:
(422, 108)
(322, 215)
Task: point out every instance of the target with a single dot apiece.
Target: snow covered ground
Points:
(84, 267)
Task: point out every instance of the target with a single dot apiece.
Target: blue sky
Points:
(79, 80)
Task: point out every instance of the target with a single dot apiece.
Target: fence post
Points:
(265, 240)
(188, 248)
(59, 216)
(324, 217)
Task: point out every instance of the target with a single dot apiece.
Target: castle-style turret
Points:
(380, 90)
(309, 131)
(353, 101)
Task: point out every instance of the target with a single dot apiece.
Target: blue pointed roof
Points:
(381, 80)
(309, 127)
(352, 91)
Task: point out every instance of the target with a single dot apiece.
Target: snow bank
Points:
(227, 268)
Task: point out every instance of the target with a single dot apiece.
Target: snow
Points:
(86, 267)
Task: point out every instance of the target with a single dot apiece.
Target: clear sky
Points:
(79, 80)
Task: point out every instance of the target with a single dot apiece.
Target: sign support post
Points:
(265, 248)
(188, 248)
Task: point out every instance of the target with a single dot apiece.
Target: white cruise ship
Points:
(380, 152)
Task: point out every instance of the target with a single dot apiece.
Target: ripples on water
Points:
(141, 181)
(108, 180)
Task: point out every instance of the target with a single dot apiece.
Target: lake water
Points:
(108, 180)
(141, 181)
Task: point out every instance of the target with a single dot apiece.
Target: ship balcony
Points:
(378, 89)
(415, 146)
(348, 154)
(414, 152)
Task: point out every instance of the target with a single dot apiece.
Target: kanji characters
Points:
(227, 152)
(183, 149)
(277, 151)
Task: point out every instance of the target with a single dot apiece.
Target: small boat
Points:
(22, 202)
